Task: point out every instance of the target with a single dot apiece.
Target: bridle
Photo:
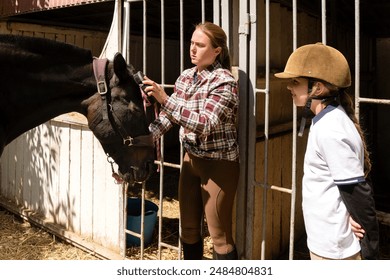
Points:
(99, 68)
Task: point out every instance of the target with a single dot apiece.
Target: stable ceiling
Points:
(374, 17)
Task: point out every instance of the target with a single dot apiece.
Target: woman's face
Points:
(202, 52)
(298, 88)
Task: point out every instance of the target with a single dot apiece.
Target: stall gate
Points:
(243, 24)
(255, 29)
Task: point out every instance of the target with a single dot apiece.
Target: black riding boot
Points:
(193, 251)
(229, 256)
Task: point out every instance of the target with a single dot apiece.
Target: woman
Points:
(204, 104)
(337, 163)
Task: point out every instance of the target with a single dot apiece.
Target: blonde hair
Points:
(217, 38)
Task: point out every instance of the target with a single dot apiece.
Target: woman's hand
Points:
(356, 228)
(155, 90)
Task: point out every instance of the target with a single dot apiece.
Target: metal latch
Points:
(244, 28)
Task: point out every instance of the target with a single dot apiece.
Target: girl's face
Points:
(202, 53)
(298, 88)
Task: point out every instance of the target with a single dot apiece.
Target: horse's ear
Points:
(120, 67)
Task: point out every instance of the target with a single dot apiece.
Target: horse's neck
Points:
(44, 94)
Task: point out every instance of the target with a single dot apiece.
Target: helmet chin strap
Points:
(307, 112)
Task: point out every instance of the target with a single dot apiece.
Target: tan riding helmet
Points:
(318, 61)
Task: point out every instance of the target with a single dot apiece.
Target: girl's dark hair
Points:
(218, 39)
(346, 101)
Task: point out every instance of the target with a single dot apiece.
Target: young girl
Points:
(205, 105)
(336, 164)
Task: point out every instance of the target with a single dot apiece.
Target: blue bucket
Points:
(134, 221)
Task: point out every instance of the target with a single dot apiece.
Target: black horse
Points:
(41, 79)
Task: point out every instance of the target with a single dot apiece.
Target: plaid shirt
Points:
(205, 105)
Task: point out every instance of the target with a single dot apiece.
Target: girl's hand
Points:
(356, 228)
(155, 90)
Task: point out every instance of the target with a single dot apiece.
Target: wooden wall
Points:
(88, 39)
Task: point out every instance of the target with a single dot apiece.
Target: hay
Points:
(19, 240)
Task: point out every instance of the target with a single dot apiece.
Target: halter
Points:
(99, 68)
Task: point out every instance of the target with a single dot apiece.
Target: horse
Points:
(41, 79)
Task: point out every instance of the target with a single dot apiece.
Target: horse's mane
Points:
(29, 47)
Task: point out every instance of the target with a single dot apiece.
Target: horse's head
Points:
(117, 118)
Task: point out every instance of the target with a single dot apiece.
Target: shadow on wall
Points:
(32, 169)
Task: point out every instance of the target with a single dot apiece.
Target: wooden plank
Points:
(16, 193)
(12, 167)
(74, 206)
(4, 171)
(112, 204)
(87, 183)
(27, 167)
(99, 194)
(45, 187)
(63, 143)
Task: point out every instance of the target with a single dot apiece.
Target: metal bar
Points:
(203, 11)
(280, 189)
(181, 36)
(144, 36)
(161, 167)
(323, 21)
(294, 150)
(174, 165)
(126, 31)
(357, 58)
(142, 237)
(217, 11)
(161, 197)
(225, 18)
(259, 90)
(181, 70)
(123, 223)
(374, 100)
(243, 184)
(248, 27)
(266, 129)
(169, 246)
(273, 187)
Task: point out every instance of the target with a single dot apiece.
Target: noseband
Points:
(99, 68)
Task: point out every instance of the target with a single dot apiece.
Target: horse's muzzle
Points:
(138, 174)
